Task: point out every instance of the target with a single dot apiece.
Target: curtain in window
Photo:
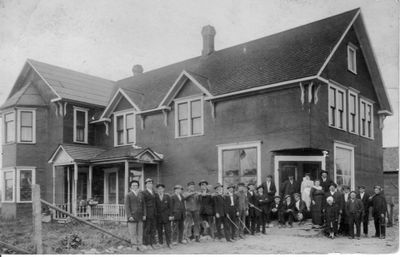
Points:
(343, 166)
(80, 126)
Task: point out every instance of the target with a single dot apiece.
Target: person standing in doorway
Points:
(290, 186)
(134, 207)
(305, 189)
(317, 197)
(149, 196)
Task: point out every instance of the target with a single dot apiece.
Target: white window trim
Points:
(351, 47)
(3, 195)
(188, 100)
(80, 109)
(18, 185)
(357, 119)
(19, 122)
(124, 114)
(367, 102)
(348, 147)
(5, 128)
(239, 145)
(343, 90)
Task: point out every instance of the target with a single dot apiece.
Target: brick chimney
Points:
(208, 33)
(137, 69)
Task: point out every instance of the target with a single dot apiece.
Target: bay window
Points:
(17, 184)
(124, 129)
(9, 127)
(189, 117)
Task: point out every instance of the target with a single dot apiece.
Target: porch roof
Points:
(68, 153)
(128, 152)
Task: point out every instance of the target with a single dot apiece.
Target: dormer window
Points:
(80, 125)
(352, 58)
(124, 129)
(189, 117)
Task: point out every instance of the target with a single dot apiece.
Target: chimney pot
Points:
(137, 69)
(208, 32)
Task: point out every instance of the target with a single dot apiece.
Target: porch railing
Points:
(111, 212)
(58, 215)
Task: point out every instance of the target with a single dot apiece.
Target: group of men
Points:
(184, 216)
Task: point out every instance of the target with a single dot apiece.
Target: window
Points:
(9, 186)
(352, 58)
(366, 119)
(80, 125)
(124, 131)
(9, 127)
(17, 184)
(239, 163)
(26, 126)
(189, 117)
(25, 181)
(344, 164)
(353, 112)
(337, 107)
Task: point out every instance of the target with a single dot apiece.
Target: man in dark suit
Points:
(276, 211)
(354, 211)
(288, 210)
(206, 209)
(364, 197)
(325, 181)
(379, 209)
(149, 197)
(164, 215)
(344, 219)
(269, 189)
(178, 213)
(134, 207)
(300, 208)
(290, 186)
(232, 211)
(220, 213)
(251, 219)
(338, 199)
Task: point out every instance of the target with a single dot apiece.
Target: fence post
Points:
(37, 219)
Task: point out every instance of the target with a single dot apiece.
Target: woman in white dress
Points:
(305, 190)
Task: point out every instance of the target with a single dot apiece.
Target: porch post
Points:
(68, 190)
(75, 190)
(158, 172)
(89, 187)
(54, 184)
(126, 177)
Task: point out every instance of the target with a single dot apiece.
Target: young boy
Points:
(300, 208)
(288, 211)
(276, 210)
(331, 217)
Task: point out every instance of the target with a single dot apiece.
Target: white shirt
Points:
(346, 197)
(135, 192)
(151, 191)
(231, 196)
(362, 195)
(268, 185)
(179, 197)
(161, 196)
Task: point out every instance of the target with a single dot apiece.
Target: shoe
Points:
(263, 232)
(382, 237)
(228, 240)
(169, 246)
(358, 238)
(197, 239)
(241, 237)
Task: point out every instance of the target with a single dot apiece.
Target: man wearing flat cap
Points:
(379, 209)
(149, 196)
(206, 209)
(364, 197)
(178, 213)
(220, 213)
(164, 215)
(354, 211)
(232, 210)
(192, 203)
(251, 219)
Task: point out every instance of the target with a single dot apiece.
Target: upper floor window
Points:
(9, 127)
(124, 128)
(26, 126)
(366, 119)
(80, 125)
(353, 112)
(189, 117)
(337, 107)
(352, 58)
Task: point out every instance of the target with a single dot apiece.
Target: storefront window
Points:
(239, 165)
(344, 166)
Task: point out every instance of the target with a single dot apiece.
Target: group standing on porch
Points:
(185, 216)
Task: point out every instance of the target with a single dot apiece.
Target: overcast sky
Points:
(105, 38)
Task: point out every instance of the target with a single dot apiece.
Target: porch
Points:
(93, 186)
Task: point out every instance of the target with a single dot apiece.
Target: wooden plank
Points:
(14, 248)
(37, 219)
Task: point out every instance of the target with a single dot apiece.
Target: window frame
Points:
(18, 182)
(84, 110)
(19, 126)
(125, 131)
(346, 146)
(371, 104)
(353, 92)
(345, 115)
(3, 185)
(353, 58)
(188, 101)
(5, 127)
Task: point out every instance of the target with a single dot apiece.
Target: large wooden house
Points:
(302, 100)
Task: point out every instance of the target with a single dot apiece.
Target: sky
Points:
(106, 38)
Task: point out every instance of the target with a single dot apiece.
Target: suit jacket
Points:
(279, 207)
(338, 199)
(272, 188)
(365, 201)
(243, 201)
(134, 206)
(177, 207)
(206, 204)
(150, 204)
(192, 201)
(326, 184)
(286, 207)
(302, 207)
(163, 208)
(378, 205)
(331, 214)
(219, 205)
(290, 188)
(228, 207)
(252, 201)
(358, 207)
(263, 202)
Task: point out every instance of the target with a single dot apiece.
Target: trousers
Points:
(135, 230)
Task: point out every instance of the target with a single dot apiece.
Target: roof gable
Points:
(28, 95)
(119, 98)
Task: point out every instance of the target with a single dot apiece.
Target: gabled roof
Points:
(26, 96)
(124, 152)
(289, 55)
(77, 153)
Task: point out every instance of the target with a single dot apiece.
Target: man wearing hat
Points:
(263, 201)
(220, 213)
(325, 181)
(290, 186)
(300, 208)
(232, 211)
(206, 209)
(163, 214)
(288, 210)
(251, 219)
(364, 197)
(243, 208)
(379, 209)
(276, 210)
(337, 197)
(149, 197)
(178, 213)
(344, 221)
(192, 203)
(354, 211)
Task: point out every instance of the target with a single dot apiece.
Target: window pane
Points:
(8, 185)
(25, 185)
(182, 111)
(120, 137)
(26, 119)
(26, 134)
(248, 162)
(120, 123)
(332, 97)
(352, 104)
(10, 131)
(196, 126)
(196, 108)
(230, 166)
(343, 165)
(129, 121)
(80, 119)
(369, 111)
(80, 135)
(183, 127)
(340, 100)
(131, 135)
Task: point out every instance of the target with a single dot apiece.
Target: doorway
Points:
(111, 186)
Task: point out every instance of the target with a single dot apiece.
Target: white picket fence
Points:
(104, 212)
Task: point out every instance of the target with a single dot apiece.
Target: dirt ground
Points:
(299, 239)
